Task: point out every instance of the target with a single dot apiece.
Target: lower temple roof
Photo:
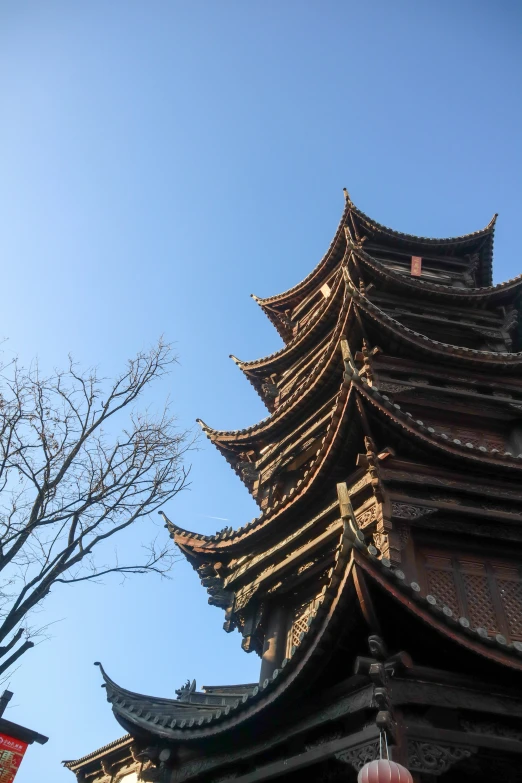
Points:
(197, 714)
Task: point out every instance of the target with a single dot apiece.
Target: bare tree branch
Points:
(67, 485)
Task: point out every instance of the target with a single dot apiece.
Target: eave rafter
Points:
(171, 720)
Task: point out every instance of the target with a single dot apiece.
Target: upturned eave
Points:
(173, 720)
(228, 442)
(234, 541)
(290, 298)
(257, 370)
(481, 241)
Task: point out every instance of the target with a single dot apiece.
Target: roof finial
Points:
(165, 517)
(347, 196)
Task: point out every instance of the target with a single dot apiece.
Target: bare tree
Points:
(71, 477)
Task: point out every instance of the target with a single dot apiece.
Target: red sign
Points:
(416, 266)
(11, 754)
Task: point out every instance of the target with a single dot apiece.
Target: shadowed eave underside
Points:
(172, 719)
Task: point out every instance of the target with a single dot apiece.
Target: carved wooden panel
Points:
(477, 438)
(510, 590)
(487, 591)
(481, 612)
(298, 622)
(441, 581)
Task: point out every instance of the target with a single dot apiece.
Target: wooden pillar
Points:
(275, 643)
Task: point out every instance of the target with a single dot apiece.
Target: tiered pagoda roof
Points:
(394, 436)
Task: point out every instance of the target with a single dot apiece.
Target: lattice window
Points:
(485, 590)
(441, 582)
(481, 612)
(299, 622)
(510, 591)
(477, 438)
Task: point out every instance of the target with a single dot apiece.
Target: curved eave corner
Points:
(172, 719)
(259, 371)
(191, 544)
(234, 540)
(276, 318)
(289, 298)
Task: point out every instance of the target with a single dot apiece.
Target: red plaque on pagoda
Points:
(416, 266)
(11, 754)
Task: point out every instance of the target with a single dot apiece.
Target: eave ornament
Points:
(384, 771)
(435, 759)
(381, 769)
(409, 511)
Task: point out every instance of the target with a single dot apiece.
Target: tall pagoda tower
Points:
(381, 582)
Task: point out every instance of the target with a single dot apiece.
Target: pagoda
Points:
(381, 582)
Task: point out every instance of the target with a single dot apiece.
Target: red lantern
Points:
(384, 771)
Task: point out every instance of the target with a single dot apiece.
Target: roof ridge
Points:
(489, 228)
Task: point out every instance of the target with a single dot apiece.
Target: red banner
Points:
(416, 266)
(11, 754)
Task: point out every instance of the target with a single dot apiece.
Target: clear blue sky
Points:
(162, 160)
